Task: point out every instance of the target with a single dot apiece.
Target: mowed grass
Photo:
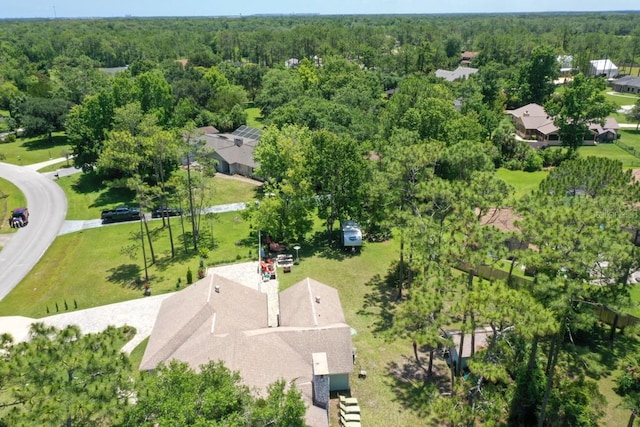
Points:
(96, 266)
(10, 198)
(522, 182)
(87, 197)
(630, 137)
(620, 99)
(610, 151)
(26, 151)
(254, 117)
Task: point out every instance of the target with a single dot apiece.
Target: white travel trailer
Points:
(351, 235)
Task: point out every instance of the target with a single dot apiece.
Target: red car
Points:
(19, 218)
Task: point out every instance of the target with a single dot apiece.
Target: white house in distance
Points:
(603, 67)
(566, 64)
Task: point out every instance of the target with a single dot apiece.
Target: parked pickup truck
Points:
(122, 213)
(168, 211)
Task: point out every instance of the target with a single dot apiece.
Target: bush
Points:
(533, 162)
(189, 276)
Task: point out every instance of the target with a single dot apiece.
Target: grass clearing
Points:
(620, 99)
(254, 117)
(630, 137)
(610, 151)
(522, 182)
(26, 151)
(87, 197)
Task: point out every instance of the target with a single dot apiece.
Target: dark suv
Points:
(19, 218)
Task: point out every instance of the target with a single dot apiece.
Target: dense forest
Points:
(361, 128)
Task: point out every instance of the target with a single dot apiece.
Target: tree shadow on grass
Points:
(125, 275)
(320, 246)
(380, 301)
(593, 353)
(414, 389)
(91, 183)
(44, 143)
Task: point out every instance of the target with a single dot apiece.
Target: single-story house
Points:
(460, 73)
(603, 67)
(466, 57)
(627, 84)
(234, 151)
(534, 124)
(218, 319)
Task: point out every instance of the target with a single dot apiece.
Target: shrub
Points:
(533, 162)
(189, 276)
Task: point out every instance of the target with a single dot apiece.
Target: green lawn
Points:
(611, 151)
(254, 117)
(26, 151)
(522, 182)
(87, 197)
(630, 137)
(620, 99)
(10, 198)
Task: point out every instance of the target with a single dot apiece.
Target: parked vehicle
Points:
(351, 235)
(122, 213)
(164, 212)
(19, 218)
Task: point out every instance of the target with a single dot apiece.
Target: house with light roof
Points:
(217, 319)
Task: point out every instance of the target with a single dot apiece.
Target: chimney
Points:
(238, 142)
(217, 288)
(526, 113)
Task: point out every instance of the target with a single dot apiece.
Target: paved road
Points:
(47, 207)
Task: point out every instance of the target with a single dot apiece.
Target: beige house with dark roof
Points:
(218, 319)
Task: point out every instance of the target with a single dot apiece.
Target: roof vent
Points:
(238, 142)
(526, 113)
(318, 300)
(217, 288)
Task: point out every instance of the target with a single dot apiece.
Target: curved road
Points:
(47, 208)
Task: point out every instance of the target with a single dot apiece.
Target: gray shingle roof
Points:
(200, 323)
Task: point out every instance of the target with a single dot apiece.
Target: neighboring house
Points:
(467, 57)
(114, 70)
(218, 319)
(528, 119)
(460, 73)
(534, 124)
(233, 151)
(627, 84)
(292, 63)
(481, 340)
(566, 64)
(603, 67)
